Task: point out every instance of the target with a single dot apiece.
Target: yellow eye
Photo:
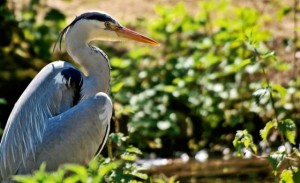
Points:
(107, 25)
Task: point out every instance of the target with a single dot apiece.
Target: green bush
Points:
(200, 83)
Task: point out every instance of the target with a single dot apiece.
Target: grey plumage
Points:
(63, 116)
(54, 128)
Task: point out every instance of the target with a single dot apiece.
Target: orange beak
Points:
(130, 34)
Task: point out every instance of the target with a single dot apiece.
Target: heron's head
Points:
(98, 25)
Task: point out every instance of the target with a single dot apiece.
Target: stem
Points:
(275, 110)
(273, 104)
(109, 148)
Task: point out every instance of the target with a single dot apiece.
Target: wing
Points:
(54, 90)
(73, 136)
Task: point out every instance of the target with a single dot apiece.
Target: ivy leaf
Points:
(264, 132)
(275, 160)
(288, 128)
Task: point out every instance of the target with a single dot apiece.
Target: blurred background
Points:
(223, 66)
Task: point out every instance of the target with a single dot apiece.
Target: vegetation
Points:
(214, 74)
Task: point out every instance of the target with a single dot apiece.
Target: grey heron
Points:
(63, 116)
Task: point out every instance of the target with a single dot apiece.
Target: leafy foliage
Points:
(265, 132)
(288, 128)
(200, 83)
(275, 159)
(119, 168)
(286, 176)
(244, 140)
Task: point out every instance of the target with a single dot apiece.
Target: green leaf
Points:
(54, 15)
(120, 63)
(117, 87)
(288, 128)
(296, 175)
(243, 140)
(280, 89)
(166, 88)
(78, 169)
(270, 54)
(237, 66)
(38, 175)
(129, 156)
(286, 176)
(139, 175)
(264, 132)
(117, 138)
(132, 149)
(275, 160)
(103, 170)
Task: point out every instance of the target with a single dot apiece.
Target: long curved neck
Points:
(92, 59)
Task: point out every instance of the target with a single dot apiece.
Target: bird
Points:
(64, 114)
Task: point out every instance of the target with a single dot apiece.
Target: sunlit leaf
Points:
(243, 140)
(268, 55)
(233, 68)
(264, 132)
(119, 63)
(167, 88)
(78, 169)
(280, 89)
(117, 87)
(132, 149)
(288, 128)
(140, 175)
(286, 176)
(129, 157)
(103, 170)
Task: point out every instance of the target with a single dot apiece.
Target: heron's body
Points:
(63, 115)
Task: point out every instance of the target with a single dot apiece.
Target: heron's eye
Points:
(107, 25)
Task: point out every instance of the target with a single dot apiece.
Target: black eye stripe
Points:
(94, 16)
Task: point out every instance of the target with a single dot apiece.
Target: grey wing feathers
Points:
(74, 136)
(42, 99)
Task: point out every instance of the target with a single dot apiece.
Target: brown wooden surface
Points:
(218, 170)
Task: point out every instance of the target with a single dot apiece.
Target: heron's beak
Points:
(129, 34)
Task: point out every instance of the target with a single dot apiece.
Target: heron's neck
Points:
(92, 59)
